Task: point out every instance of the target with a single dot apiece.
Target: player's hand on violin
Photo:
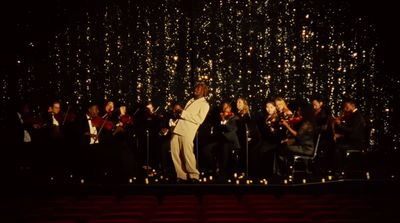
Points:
(284, 123)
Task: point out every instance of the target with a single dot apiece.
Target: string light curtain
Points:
(136, 51)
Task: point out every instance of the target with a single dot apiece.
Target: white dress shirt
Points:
(93, 131)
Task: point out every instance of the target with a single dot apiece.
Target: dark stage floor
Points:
(360, 195)
(333, 201)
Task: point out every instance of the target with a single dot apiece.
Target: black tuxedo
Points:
(83, 130)
(225, 140)
(353, 130)
(92, 156)
(229, 132)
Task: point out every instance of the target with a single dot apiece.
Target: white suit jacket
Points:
(191, 118)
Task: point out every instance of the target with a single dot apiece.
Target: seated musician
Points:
(284, 112)
(351, 126)
(350, 133)
(301, 139)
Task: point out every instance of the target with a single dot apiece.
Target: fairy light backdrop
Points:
(134, 51)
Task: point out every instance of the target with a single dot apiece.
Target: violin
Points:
(226, 115)
(271, 122)
(335, 121)
(125, 120)
(295, 120)
(35, 122)
(285, 116)
(343, 117)
(62, 118)
(59, 117)
(102, 123)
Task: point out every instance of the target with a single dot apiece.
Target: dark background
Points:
(38, 21)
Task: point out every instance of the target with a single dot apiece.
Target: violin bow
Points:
(66, 114)
(136, 111)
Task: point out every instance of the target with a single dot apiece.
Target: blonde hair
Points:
(285, 107)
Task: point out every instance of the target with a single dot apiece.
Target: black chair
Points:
(354, 162)
(306, 159)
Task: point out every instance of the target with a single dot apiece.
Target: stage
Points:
(346, 200)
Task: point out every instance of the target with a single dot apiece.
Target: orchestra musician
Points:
(225, 142)
(54, 120)
(243, 121)
(22, 154)
(54, 153)
(323, 120)
(108, 109)
(300, 141)
(248, 132)
(91, 148)
(284, 113)
(261, 157)
(320, 113)
(350, 132)
(124, 120)
(106, 124)
(125, 163)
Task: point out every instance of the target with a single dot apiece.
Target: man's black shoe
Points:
(181, 181)
(193, 181)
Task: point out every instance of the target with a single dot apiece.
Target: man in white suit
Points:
(191, 117)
